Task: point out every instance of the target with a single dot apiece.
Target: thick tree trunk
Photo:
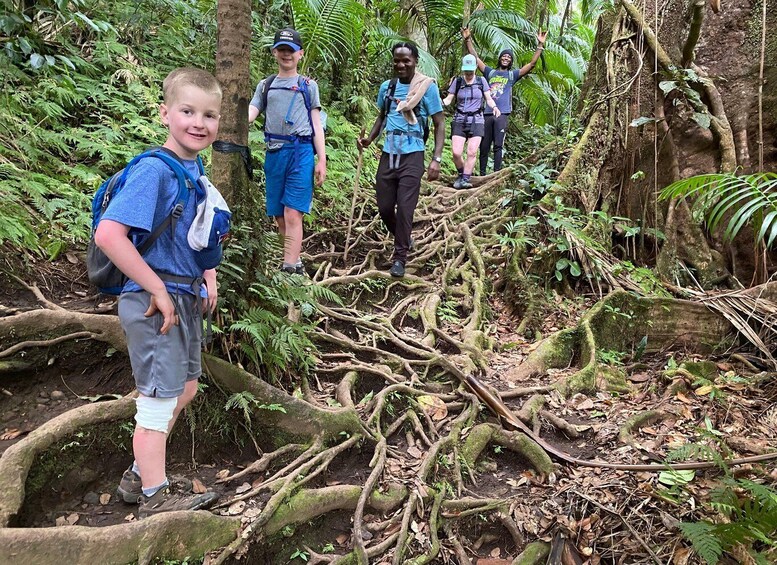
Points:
(233, 56)
(619, 168)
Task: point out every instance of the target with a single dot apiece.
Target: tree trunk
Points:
(233, 55)
(618, 167)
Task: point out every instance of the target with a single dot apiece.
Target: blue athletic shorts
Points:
(289, 175)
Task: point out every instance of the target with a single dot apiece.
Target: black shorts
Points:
(468, 129)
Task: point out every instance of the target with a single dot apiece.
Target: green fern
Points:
(705, 543)
(750, 511)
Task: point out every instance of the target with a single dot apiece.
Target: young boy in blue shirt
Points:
(293, 134)
(162, 319)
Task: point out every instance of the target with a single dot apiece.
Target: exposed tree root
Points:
(174, 536)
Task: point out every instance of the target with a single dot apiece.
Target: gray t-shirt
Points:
(286, 113)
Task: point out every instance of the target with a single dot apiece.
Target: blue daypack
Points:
(102, 272)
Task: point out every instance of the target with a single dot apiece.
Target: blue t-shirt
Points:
(145, 200)
(501, 82)
(469, 98)
(430, 104)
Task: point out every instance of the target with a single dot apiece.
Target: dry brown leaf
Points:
(129, 518)
(342, 539)
(245, 487)
(105, 498)
(682, 398)
(198, 487)
(413, 451)
(681, 556)
(496, 552)
(223, 474)
(60, 521)
(702, 390)
(639, 377)
(72, 519)
(236, 507)
(13, 433)
(434, 406)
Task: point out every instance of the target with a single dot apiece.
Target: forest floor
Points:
(592, 515)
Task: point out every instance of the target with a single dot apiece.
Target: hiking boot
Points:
(457, 183)
(397, 269)
(289, 270)
(164, 500)
(130, 488)
(465, 184)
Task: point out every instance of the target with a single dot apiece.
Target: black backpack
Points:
(392, 87)
(479, 83)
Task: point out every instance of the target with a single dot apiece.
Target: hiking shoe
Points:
(397, 269)
(465, 184)
(164, 500)
(289, 270)
(457, 183)
(300, 269)
(130, 488)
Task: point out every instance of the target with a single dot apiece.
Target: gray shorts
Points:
(162, 364)
(468, 129)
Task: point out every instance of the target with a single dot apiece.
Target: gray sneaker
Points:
(465, 184)
(457, 183)
(130, 488)
(164, 500)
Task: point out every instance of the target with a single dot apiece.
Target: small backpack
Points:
(392, 87)
(461, 84)
(101, 270)
(302, 88)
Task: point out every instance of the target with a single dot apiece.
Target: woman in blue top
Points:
(472, 94)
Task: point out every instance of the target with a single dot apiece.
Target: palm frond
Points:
(745, 199)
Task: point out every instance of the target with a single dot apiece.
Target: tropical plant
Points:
(744, 199)
(749, 517)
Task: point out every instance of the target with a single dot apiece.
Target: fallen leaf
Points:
(223, 474)
(72, 519)
(682, 398)
(496, 552)
(702, 390)
(60, 521)
(236, 507)
(105, 498)
(71, 257)
(681, 556)
(639, 377)
(245, 487)
(586, 404)
(414, 452)
(198, 487)
(342, 539)
(129, 518)
(434, 406)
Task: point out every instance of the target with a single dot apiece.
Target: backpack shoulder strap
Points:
(267, 84)
(390, 90)
(186, 184)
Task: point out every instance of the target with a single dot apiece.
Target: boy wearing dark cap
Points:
(501, 80)
(294, 137)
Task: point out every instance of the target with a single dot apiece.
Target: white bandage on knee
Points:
(155, 413)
